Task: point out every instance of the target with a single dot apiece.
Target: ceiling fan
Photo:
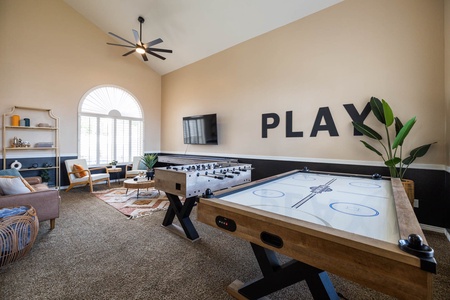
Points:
(140, 47)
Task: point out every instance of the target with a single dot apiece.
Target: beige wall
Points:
(447, 77)
(344, 54)
(50, 56)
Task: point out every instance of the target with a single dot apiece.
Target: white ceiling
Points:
(193, 29)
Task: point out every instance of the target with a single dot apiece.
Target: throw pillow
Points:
(78, 168)
(10, 172)
(12, 185)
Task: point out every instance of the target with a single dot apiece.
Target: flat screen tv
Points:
(200, 130)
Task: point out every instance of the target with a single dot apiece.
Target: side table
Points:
(19, 227)
(115, 171)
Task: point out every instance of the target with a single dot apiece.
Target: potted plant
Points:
(113, 163)
(45, 176)
(149, 160)
(392, 147)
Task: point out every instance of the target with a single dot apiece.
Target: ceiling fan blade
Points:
(121, 45)
(159, 50)
(144, 57)
(113, 34)
(156, 55)
(136, 37)
(154, 42)
(128, 53)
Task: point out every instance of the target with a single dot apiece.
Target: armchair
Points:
(81, 174)
(136, 168)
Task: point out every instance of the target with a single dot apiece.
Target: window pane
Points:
(122, 140)
(136, 139)
(106, 140)
(88, 139)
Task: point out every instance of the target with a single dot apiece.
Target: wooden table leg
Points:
(276, 277)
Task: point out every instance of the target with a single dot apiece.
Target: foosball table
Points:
(184, 184)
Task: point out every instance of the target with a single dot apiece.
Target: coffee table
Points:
(140, 183)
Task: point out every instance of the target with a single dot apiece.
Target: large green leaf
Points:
(421, 150)
(371, 148)
(398, 127)
(388, 114)
(416, 152)
(392, 162)
(367, 131)
(403, 133)
(409, 160)
(377, 109)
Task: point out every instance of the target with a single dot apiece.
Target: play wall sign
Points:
(323, 121)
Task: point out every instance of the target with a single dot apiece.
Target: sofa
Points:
(45, 200)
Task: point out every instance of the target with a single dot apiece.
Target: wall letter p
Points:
(265, 125)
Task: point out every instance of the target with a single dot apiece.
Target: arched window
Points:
(110, 126)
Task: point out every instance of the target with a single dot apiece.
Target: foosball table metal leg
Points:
(182, 212)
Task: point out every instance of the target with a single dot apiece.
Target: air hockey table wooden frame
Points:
(316, 249)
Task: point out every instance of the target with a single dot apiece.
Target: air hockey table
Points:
(361, 228)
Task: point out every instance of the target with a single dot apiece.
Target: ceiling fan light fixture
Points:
(140, 47)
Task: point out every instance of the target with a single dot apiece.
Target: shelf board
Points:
(30, 127)
(31, 148)
(38, 168)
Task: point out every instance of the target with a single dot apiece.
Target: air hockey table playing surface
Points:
(349, 225)
(360, 205)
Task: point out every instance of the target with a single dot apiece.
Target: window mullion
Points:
(115, 138)
(98, 142)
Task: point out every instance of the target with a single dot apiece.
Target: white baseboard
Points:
(432, 228)
(436, 229)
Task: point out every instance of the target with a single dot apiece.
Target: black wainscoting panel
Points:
(432, 187)
(29, 163)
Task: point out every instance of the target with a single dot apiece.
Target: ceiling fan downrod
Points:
(141, 20)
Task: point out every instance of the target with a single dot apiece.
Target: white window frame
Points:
(111, 110)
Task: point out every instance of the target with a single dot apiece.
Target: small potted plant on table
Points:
(113, 163)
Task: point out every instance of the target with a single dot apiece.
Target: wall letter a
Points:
(324, 112)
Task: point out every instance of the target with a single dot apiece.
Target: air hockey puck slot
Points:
(226, 223)
(271, 239)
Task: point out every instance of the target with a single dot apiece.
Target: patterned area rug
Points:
(148, 202)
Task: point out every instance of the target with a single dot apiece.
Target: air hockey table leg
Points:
(276, 277)
(182, 212)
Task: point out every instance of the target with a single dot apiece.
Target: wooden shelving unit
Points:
(10, 131)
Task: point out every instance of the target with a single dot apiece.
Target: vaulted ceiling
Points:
(193, 29)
